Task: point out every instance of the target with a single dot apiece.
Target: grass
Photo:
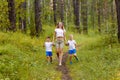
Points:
(98, 60)
(23, 57)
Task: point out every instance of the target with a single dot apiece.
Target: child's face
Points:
(71, 37)
(48, 39)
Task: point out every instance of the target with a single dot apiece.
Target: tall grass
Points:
(23, 58)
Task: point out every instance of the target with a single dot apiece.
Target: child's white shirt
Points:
(72, 44)
(59, 32)
(48, 46)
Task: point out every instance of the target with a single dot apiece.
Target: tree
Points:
(62, 10)
(76, 4)
(38, 24)
(84, 15)
(55, 11)
(22, 16)
(99, 15)
(12, 16)
(118, 17)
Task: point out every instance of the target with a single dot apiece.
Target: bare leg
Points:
(70, 57)
(57, 53)
(60, 57)
(48, 59)
(51, 59)
(76, 57)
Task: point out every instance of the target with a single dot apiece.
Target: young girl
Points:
(72, 48)
(48, 45)
(59, 36)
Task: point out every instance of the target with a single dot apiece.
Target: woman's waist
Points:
(60, 38)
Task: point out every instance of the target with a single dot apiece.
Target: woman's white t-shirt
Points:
(48, 46)
(71, 44)
(59, 32)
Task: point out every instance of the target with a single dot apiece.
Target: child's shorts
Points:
(48, 53)
(72, 51)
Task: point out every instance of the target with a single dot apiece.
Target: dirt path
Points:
(64, 69)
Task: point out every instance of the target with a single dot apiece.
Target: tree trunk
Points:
(22, 19)
(62, 11)
(93, 13)
(77, 15)
(38, 24)
(55, 11)
(99, 15)
(76, 5)
(84, 16)
(12, 16)
(118, 17)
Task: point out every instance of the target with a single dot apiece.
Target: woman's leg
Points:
(60, 56)
(57, 52)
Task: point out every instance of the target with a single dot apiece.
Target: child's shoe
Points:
(71, 62)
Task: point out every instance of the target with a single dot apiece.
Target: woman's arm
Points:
(54, 36)
(64, 37)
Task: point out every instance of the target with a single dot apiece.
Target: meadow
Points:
(23, 57)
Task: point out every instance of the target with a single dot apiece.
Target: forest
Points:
(25, 24)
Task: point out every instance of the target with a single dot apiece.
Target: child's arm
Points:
(53, 44)
(44, 45)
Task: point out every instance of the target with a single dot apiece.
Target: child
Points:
(72, 48)
(48, 45)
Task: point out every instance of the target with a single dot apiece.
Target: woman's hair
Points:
(58, 25)
(48, 37)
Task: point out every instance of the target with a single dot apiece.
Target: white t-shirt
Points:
(59, 32)
(71, 44)
(48, 46)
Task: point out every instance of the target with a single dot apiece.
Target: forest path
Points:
(64, 69)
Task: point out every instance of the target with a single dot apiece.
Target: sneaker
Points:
(70, 62)
(60, 64)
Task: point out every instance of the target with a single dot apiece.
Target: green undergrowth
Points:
(23, 57)
(99, 59)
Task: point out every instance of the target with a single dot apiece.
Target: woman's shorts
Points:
(48, 53)
(72, 51)
(59, 43)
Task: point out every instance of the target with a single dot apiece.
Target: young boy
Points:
(48, 45)
(72, 48)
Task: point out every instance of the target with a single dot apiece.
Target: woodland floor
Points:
(64, 69)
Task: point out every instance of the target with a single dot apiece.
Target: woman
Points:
(59, 36)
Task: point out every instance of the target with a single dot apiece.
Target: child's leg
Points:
(76, 57)
(48, 58)
(70, 58)
(51, 59)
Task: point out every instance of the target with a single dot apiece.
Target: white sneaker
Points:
(60, 64)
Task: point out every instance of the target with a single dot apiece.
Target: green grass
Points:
(98, 60)
(23, 57)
